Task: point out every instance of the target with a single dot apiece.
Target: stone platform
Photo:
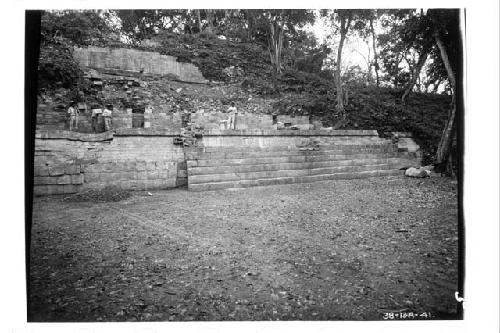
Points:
(144, 159)
(235, 159)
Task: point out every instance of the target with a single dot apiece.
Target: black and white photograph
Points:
(246, 165)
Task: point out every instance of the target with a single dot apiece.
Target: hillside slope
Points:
(241, 72)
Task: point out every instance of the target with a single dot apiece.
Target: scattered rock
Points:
(417, 172)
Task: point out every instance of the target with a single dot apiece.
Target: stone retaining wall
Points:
(121, 60)
(69, 162)
(160, 119)
(244, 120)
(146, 158)
(289, 138)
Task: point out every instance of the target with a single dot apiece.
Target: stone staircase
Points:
(212, 168)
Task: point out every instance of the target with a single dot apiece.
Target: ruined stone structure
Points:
(146, 149)
(69, 162)
(128, 61)
(143, 159)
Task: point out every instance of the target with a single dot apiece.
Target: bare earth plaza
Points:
(234, 165)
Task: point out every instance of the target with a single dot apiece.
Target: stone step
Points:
(281, 148)
(292, 180)
(289, 159)
(234, 176)
(291, 166)
(287, 152)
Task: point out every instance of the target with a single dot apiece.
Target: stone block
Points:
(151, 165)
(140, 166)
(41, 171)
(141, 175)
(77, 179)
(39, 190)
(104, 177)
(72, 169)
(129, 165)
(56, 170)
(46, 180)
(152, 174)
(165, 173)
(54, 189)
(67, 189)
(64, 179)
(91, 177)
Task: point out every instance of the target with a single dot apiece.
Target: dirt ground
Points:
(336, 250)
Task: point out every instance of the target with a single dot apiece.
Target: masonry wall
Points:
(69, 162)
(122, 59)
(168, 121)
(143, 159)
(289, 138)
(244, 120)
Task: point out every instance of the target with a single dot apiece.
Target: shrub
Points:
(56, 65)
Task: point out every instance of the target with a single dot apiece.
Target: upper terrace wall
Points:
(161, 120)
(136, 61)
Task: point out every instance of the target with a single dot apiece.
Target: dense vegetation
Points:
(414, 54)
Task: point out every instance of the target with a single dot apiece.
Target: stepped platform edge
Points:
(72, 135)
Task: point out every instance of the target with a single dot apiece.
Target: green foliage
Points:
(82, 27)
(213, 55)
(424, 115)
(446, 23)
(144, 24)
(410, 31)
(56, 65)
(303, 87)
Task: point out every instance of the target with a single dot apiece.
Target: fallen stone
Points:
(428, 167)
(417, 172)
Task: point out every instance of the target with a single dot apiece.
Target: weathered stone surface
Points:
(72, 169)
(77, 179)
(56, 170)
(140, 159)
(262, 157)
(130, 61)
(417, 173)
(65, 179)
(290, 180)
(74, 136)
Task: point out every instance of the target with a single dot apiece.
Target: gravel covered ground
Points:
(336, 250)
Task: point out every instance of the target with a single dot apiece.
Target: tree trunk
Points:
(250, 19)
(446, 61)
(416, 72)
(375, 55)
(396, 82)
(369, 62)
(210, 22)
(199, 19)
(275, 44)
(344, 26)
(444, 147)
